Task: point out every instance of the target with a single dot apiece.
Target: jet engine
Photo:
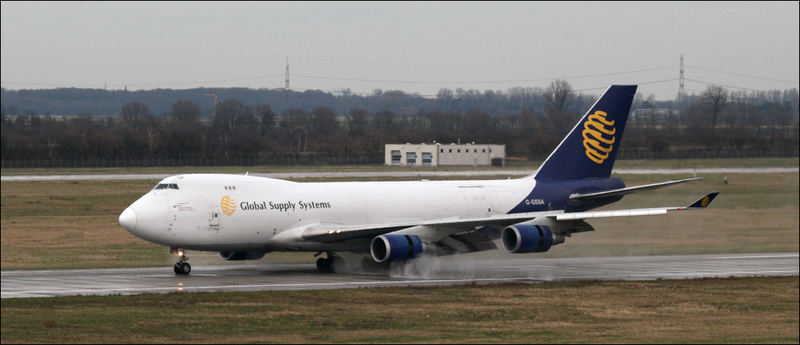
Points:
(238, 256)
(526, 238)
(386, 248)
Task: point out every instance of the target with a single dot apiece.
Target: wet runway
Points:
(412, 173)
(425, 272)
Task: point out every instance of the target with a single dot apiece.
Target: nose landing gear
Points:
(182, 267)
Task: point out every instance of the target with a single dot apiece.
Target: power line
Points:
(212, 81)
(725, 85)
(573, 77)
(744, 75)
(153, 84)
(39, 84)
(641, 83)
(478, 81)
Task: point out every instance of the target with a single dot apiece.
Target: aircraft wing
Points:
(333, 233)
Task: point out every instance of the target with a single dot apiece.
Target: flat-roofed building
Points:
(444, 154)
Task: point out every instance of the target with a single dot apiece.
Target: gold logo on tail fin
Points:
(597, 146)
(227, 205)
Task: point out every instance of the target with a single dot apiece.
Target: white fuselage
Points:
(235, 212)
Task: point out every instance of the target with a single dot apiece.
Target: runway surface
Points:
(89, 177)
(426, 272)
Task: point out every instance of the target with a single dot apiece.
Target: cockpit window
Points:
(166, 186)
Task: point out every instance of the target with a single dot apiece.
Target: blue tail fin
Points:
(590, 148)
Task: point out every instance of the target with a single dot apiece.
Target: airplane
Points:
(244, 217)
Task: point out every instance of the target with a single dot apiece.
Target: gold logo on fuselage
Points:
(227, 205)
(597, 146)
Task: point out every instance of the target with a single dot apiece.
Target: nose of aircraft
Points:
(146, 218)
(128, 219)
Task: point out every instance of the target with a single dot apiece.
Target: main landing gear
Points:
(325, 264)
(182, 267)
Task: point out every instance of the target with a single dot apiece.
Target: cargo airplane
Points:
(243, 217)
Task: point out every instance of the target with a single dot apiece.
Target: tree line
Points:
(77, 101)
(717, 119)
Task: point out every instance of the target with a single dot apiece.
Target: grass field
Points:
(740, 310)
(73, 224)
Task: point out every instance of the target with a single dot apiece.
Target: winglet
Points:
(704, 201)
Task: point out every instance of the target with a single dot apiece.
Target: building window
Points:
(441, 151)
(451, 151)
(484, 150)
(426, 158)
(459, 150)
(411, 158)
(396, 157)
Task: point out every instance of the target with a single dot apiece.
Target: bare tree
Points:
(558, 95)
(266, 119)
(357, 121)
(715, 98)
(134, 115)
(184, 112)
(323, 121)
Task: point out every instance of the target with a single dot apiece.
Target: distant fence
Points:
(272, 158)
(341, 158)
(707, 153)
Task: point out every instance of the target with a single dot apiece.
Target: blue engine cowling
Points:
(238, 256)
(386, 248)
(524, 238)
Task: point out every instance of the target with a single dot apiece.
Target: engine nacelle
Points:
(238, 256)
(526, 238)
(386, 248)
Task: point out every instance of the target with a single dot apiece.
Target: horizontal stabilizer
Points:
(629, 190)
(611, 214)
(702, 203)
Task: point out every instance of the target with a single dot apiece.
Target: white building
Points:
(444, 154)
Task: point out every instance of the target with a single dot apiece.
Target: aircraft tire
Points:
(182, 268)
(325, 264)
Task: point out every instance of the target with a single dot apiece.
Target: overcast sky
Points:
(414, 47)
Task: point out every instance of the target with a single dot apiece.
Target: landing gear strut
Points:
(182, 267)
(326, 264)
